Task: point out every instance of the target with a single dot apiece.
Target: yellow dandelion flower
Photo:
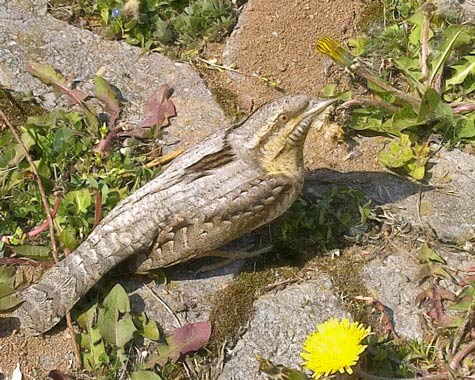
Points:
(335, 51)
(334, 347)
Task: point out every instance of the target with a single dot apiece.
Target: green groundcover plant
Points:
(160, 25)
(420, 74)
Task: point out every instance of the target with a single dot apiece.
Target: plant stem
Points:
(49, 219)
(359, 69)
(369, 102)
(458, 357)
(425, 40)
(69, 323)
(41, 189)
(42, 227)
(463, 107)
(97, 208)
(464, 326)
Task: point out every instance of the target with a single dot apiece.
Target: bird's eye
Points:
(283, 118)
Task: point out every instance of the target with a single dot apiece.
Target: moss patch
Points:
(17, 109)
(233, 305)
(228, 101)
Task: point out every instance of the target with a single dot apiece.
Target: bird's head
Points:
(276, 132)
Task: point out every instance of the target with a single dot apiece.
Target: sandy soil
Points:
(275, 40)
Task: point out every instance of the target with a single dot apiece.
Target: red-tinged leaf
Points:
(386, 319)
(191, 337)
(434, 296)
(159, 108)
(185, 339)
(58, 375)
(467, 280)
(106, 94)
(49, 76)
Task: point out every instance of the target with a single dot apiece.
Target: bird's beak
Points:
(317, 106)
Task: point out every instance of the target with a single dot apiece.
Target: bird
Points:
(231, 183)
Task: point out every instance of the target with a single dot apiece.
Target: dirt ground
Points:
(276, 42)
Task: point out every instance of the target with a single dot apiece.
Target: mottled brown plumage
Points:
(231, 183)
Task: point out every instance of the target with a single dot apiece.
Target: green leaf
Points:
(12, 156)
(461, 306)
(46, 120)
(91, 119)
(105, 15)
(106, 95)
(329, 90)
(94, 351)
(387, 96)
(415, 35)
(144, 375)
(48, 75)
(411, 68)
(163, 32)
(465, 34)
(151, 330)
(417, 167)
(8, 298)
(86, 318)
(397, 153)
(11, 152)
(358, 45)
(80, 198)
(63, 138)
(185, 339)
(114, 322)
(433, 107)
(365, 212)
(148, 329)
(416, 171)
(446, 49)
(366, 119)
(427, 254)
(117, 299)
(68, 238)
(33, 251)
(9, 301)
(465, 129)
(462, 71)
(404, 118)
